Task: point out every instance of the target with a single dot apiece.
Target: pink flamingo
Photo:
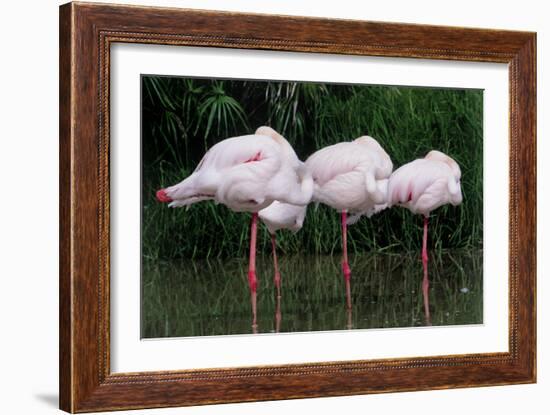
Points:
(247, 174)
(422, 186)
(279, 216)
(351, 177)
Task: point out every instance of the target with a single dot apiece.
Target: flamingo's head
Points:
(183, 194)
(300, 212)
(298, 223)
(163, 197)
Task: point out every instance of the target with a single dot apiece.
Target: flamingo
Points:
(279, 216)
(247, 174)
(351, 177)
(422, 186)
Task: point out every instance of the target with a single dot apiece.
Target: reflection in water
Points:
(278, 315)
(201, 298)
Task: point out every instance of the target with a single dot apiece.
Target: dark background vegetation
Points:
(183, 117)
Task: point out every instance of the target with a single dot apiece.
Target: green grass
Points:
(182, 118)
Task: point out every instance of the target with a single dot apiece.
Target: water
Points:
(204, 298)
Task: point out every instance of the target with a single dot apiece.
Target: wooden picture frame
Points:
(86, 33)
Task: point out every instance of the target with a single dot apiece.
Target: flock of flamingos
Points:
(260, 173)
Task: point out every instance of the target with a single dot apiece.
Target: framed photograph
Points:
(258, 207)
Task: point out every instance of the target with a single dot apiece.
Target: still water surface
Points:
(204, 298)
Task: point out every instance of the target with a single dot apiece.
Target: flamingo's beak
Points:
(163, 197)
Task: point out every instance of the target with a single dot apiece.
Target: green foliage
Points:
(182, 118)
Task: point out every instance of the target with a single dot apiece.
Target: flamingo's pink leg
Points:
(345, 264)
(252, 281)
(425, 281)
(277, 277)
